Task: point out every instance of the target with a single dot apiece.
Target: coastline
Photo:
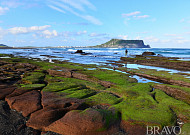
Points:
(70, 90)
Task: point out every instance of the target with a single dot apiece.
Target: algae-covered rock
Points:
(89, 121)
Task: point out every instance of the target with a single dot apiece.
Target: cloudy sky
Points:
(160, 23)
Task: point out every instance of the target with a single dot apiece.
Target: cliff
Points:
(118, 43)
(2, 46)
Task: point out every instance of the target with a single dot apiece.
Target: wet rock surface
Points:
(81, 102)
(166, 62)
(148, 53)
(13, 123)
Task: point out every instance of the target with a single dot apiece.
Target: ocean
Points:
(101, 56)
(96, 56)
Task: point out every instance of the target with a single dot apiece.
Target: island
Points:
(2, 46)
(119, 43)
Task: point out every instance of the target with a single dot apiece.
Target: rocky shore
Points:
(38, 97)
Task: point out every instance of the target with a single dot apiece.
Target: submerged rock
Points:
(82, 53)
(79, 51)
(148, 53)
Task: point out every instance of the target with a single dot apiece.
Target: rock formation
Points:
(119, 43)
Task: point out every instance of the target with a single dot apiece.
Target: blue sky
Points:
(160, 23)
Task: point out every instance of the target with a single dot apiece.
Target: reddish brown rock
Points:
(6, 90)
(174, 92)
(44, 117)
(71, 74)
(88, 122)
(54, 108)
(26, 103)
(51, 99)
(133, 129)
(17, 92)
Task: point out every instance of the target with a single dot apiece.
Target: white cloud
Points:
(174, 41)
(11, 3)
(79, 4)
(56, 8)
(185, 20)
(70, 5)
(131, 14)
(142, 16)
(182, 41)
(91, 19)
(70, 34)
(182, 20)
(151, 39)
(74, 4)
(25, 30)
(88, 4)
(3, 10)
(97, 35)
(81, 32)
(49, 34)
(123, 37)
(170, 35)
(138, 38)
(134, 15)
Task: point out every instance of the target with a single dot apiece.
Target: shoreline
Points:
(71, 90)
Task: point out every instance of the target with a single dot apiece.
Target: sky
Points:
(159, 23)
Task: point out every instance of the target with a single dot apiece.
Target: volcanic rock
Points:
(133, 129)
(26, 103)
(5, 90)
(13, 123)
(87, 122)
(54, 108)
(148, 53)
(79, 51)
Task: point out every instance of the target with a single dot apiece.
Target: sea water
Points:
(100, 56)
(96, 56)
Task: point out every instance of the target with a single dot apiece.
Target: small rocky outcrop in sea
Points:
(81, 52)
(148, 53)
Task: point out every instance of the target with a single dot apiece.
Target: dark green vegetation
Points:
(118, 43)
(2, 45)
(136, 102)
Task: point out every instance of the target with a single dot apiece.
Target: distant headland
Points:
(113, 43)
(2, 46)
(119, 43)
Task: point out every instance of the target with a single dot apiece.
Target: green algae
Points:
(181, 109)
(185, 130)
(108, 75)
(84, 93)
(104, 98)
(147, 111)
(133, 100)
(33, 86)
(33, 78)
(108, 116)
(60, 86)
